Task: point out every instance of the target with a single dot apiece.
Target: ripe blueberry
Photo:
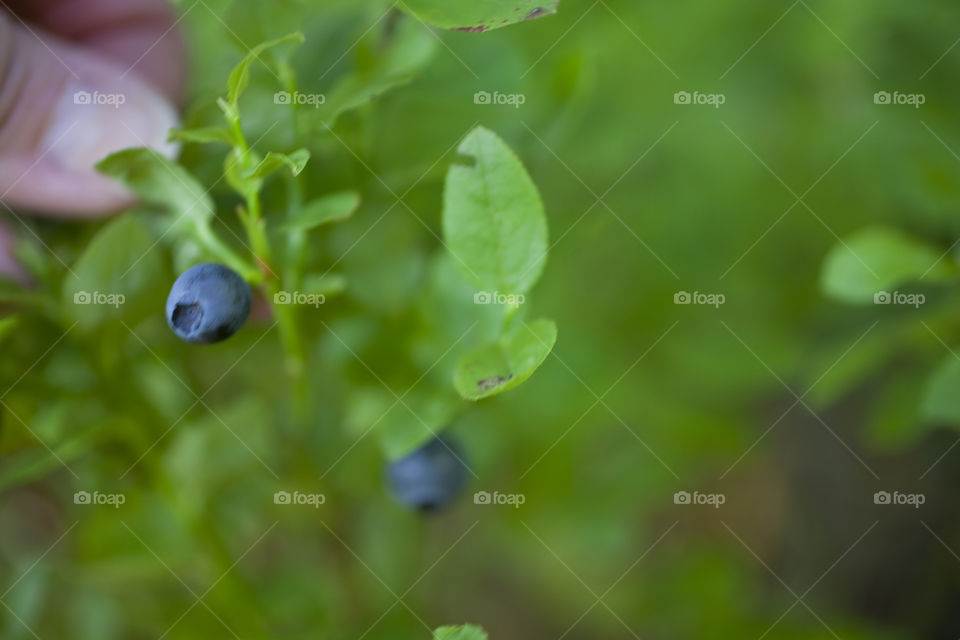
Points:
(430, 477)
(208, 303)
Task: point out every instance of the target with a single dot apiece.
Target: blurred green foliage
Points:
(797, 199)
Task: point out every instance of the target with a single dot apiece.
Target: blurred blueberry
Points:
(430, 477)
(208, 303)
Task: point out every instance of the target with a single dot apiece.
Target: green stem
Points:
(296, 240)
(270, 281)
(218, 248)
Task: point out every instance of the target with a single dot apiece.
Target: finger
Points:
(140, 35)
(62, 109)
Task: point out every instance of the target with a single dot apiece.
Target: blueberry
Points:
(208, 303)
(430, 477)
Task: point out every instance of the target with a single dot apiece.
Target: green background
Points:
(796, 406)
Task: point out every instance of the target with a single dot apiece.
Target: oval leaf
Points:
(118, 276)
(202, 134)
(332, 208)
(295, 161)
(506, 363)
(469, 15)
(493, 220)
(462, 632)
(159, 182)
(876, 260)
(403, 422)
(240, 76)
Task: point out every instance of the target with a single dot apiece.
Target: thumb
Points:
(62, 109)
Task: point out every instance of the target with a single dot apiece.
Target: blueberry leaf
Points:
(879, 259)
(201, 134)
(503, 365)
(469, 15)
(164, 184)
(493, 219)
(402, 425)
(118, 276)
(326, 284)
(240, 76)
(462, 632)
(330, 208)
(409, 48)
(159, 182)
(273, 161)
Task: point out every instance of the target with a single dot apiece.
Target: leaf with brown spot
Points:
(476, 17)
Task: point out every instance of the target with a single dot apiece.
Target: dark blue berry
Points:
(430, 477)
(208, 303)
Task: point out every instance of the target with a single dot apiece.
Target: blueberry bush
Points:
(549, 320)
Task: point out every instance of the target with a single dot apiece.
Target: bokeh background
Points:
(795, 407)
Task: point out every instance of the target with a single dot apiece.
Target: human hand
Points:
(80, 79)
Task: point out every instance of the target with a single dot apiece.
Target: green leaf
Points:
(331, 208)
(493, 220)
(117, 276)
(240, 76)
(159, 182)
(501, 366)
(164, 184)
(878, 259)
(478, 16)
(409, 48)
(402, 426)
(202, 134)
(462, 632)
(295, 161)
(941, 400)
(329, 284)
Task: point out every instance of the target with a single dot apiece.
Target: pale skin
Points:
(78, 80)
